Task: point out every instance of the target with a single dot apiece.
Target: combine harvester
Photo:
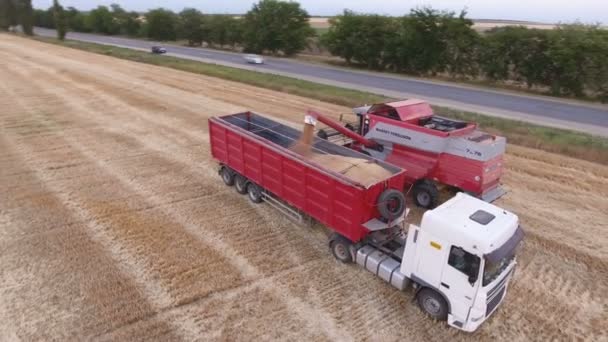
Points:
(434, 150)
(459, 260)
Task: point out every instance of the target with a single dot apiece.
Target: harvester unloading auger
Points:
(434, 150)
(363, 171)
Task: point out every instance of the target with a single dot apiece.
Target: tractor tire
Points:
(433, 304)
(227, 176)
(391, 204)
(255, 193)
(340, 248)
(425, 195)
(240, 184)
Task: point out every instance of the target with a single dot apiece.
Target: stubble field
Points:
(114, 224)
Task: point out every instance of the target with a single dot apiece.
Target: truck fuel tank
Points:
(382, 265)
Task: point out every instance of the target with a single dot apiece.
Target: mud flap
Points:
(493, 194)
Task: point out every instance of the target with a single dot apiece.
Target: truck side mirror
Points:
(472, 279)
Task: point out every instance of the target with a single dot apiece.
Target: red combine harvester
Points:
(434, 150)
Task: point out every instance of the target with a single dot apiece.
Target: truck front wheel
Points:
(433, 304)
(425, 194)
(340, 248)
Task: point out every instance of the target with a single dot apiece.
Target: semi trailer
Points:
(459, 260)
(435, 150)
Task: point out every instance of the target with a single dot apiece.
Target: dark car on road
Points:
(158, 49)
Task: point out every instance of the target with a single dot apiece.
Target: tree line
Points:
(569, 60)
(270, 26)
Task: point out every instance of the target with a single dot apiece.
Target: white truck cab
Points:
(460, 259)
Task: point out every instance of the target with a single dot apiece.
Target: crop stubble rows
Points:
(114, 224)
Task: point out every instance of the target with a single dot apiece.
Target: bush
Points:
(161, 24)
(276, 26)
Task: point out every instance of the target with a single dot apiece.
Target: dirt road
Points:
(115, 225)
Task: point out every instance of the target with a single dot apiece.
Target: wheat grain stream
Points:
(114, 224)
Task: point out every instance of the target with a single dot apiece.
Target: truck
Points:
(459, 260)
(435, 150)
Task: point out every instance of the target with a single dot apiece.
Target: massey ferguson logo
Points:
(385, 131)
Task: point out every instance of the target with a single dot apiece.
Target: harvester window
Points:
(464, 261)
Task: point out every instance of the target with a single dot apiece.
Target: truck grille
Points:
(492, 303)
(495, 295)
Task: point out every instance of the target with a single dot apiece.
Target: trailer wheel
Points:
(240, 184)
(425, 194)
(340, 248)
(322, 134)
(350, 127)
(227, 176)
(433, 304)
(254, 192)
(391, 204)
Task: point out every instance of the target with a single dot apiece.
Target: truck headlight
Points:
(477, 178)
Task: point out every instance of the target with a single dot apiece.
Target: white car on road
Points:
(254, 59)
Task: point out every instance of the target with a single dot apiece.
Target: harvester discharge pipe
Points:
(313, 116)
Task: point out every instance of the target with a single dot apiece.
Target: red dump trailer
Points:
(255, 156)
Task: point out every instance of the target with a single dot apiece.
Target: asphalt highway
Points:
(587, 117)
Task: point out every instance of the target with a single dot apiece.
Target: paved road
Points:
(591, 118)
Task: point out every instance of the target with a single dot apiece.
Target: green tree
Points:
(60, 20)
(596, 68)
(218, 29)
(44, 18)
(191, 26)
(462, 43)
(516, 53)
(360, 38)
(124, 22)
(101, 20)
(276, 26)
(422, 41)
(573, 52)
(131, 24)
(76, 20)
(4, 15)
(26, 17)
(235, 31)
(161, 24)
(8, 14)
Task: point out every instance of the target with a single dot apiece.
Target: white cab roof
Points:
(453, 222)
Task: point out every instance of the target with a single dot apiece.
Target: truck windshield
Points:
(493, 269)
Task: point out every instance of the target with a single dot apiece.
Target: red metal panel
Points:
(271, 175)
(294, 184)
(253, 160)
(341, 206)
(459, 172)
(235, 151)
(218, 143)
(419, 164)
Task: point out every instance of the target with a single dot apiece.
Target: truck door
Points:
(460, 280)
(430, 258)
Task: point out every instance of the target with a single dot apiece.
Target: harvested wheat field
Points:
(114, 224)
